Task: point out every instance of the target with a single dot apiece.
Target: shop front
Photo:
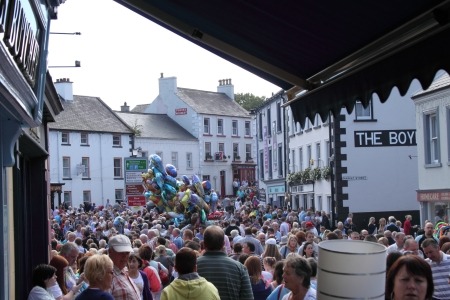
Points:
(434, 205)
(27, 103)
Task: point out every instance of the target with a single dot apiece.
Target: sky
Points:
(122, 56)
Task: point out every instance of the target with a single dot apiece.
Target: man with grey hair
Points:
(70, 252)
(398, 245)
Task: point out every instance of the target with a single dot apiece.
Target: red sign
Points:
(136, 200)
(134, 189)
(181, 111)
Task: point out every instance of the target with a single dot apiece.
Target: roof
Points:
(337, 51)
(156, 126)
(85, 113)
(211, 103)
(440, 83)
(140, 108)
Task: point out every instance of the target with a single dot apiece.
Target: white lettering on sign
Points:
(383, 138)
(180, 111)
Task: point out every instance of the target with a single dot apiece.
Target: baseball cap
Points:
(120, 243)
(271, 241)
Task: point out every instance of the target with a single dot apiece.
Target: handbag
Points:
(165, 280)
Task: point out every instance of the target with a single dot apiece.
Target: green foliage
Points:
(248, 101)
(308, 175)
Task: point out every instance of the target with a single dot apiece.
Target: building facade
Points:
(224, 130)
(89, 143)
(374, 168)
(433, 154)
(309, 165)
(271, 134)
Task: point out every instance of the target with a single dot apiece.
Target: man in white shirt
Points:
(398, 245)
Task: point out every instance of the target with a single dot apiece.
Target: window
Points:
(206, 126)
(269, 122)
(220, 126)
(300, 158)
(308, 155)
(175, 159)
(208, 154)
(248, 152)
(87, 196)
(117, 140)
(327, 153)
(270, 163)
(65, 138)
(85, 163)
(431, 138)
(118, 195)
(66, 166)
(279, 117)
(318, 156)
(316, 121)
(308, 125)
(362, 113)
(236, 151)
(222, 148)
(261, 165)
(319, 203)
(67, 198)
(292, 164)
(247, 128)
(189, 160)
(117, 167)
(280, 160)
(234, 124)
(260, 127)
(205, 178)
(84, 139)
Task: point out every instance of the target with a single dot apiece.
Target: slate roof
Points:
(441, 82)
(211, 103)
(140, 108)
(85, 113)
(156, 126)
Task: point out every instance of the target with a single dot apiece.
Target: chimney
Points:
(124, 107)
(64, 88)
(167, 86)
(226, 87)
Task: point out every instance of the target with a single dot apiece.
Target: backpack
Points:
(165, 280)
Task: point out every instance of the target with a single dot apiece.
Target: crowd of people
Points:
(252, 251)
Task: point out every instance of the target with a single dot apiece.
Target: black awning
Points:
(337, 51)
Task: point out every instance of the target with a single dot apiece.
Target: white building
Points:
(433, 155)
(224, 130)
(159, 134)
(88, 143)
(309, 151)
(374, 166)
(272, 158)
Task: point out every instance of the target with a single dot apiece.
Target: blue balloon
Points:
(171, 170)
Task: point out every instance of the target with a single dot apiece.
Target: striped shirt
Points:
(122, 287)
(441, 272)
(230, 277)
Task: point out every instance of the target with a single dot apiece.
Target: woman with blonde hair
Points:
(98, 271)
(372, 227)
(381, 225)
(260, 287)
(291, 246)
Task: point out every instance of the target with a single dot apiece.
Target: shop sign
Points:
(134, 191)
(384, 138)
(433, 196)
(19, 28)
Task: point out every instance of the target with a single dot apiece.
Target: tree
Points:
(249, 101)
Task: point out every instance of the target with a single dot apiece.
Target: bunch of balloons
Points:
(179, 199)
